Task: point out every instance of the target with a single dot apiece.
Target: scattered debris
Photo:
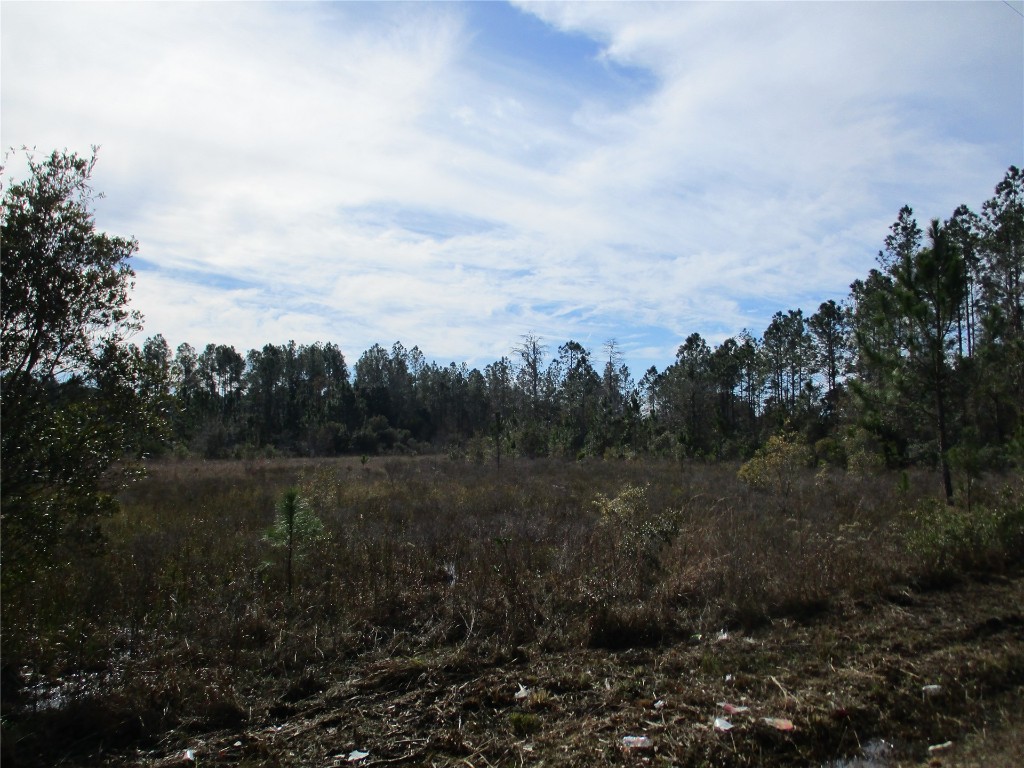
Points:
(383, 708)
(780, 723)
(636, 742)
(732, 709)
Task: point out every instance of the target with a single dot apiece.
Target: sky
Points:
(457, 175)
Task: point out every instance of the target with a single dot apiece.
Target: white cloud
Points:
(361, 173)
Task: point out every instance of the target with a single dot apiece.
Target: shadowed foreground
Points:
(851, 675)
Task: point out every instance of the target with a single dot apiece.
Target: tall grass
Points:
(185, 619)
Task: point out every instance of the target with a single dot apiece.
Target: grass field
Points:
(536, 612)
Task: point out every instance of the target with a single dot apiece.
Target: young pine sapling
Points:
(295, 526)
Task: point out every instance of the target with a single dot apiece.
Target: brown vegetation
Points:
(513, 614)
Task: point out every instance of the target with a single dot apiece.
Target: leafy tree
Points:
(726, 373)
(266, 393)
(73, 389)
(1003, 225)
(903, 240)
(829, 327)
(155, 385)
(964, 228)
(930, 291)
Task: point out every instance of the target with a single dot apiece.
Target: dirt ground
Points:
(915, 677)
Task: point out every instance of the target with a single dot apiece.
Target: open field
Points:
(453, 613)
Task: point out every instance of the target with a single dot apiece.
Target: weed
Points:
(524, 724)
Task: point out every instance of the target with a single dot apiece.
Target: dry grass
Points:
(434, 578)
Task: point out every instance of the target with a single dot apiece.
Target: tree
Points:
(930, 290)
(685, 391)
(579, 385)
(295, 528)
(72, 387)
(535, 408)
(1001, 340)
(499, 390)
(922, 298)
(903, 240)
(964, 228)
(1003, 281)
(830, 328)
(787, 351)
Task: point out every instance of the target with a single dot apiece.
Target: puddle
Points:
(876, 753)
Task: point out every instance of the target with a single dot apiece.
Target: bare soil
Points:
(868, 682)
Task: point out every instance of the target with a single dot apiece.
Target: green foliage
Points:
(948, 539)
(640, 532)
(73, 389)
(295, 528)
(913, 313)
(863, 456)
(630, 539)
(294, 525)
(524, 724)
(776, 464)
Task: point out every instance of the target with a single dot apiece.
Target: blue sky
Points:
(456, 175)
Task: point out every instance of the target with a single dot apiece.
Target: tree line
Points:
(922, 363)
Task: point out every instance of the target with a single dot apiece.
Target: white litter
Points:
(636, 742)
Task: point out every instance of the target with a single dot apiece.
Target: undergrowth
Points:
(185, 621)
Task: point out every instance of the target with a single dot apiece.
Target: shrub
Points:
(633, 536)
(776, 464)
(947, 539)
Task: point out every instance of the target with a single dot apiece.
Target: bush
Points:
(947, 539)
(776, 464)
(631, 537)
